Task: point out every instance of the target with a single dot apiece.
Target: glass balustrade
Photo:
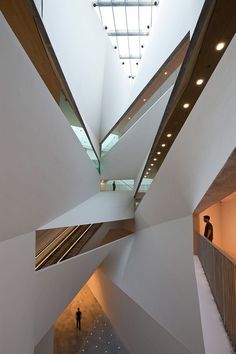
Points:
(78, 129)
(120, 185)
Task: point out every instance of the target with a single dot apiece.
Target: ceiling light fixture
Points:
(163, 145)
(186, 105)
(155, 159)
(220, 46)
(165, 73)
(129, 118)
(147, 173)
(199, 82)
(152, 164)
(144, 100)
(149, 169)
(169, 135)
(158, 153)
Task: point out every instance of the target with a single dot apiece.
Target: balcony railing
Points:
(220, 271)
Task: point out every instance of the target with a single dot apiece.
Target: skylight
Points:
(127, 23)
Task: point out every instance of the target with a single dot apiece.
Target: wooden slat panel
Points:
(220, 272)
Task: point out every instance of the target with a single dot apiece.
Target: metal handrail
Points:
(56, 248)
(75, 243)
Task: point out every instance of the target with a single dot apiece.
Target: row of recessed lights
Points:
(144, 99)
(169, 135)
(200, 81)
(186, 105)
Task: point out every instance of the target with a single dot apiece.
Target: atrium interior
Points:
(117, 152)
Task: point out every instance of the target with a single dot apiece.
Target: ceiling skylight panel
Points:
(145, 17)
(128, 23)
(132, 18)
(126, 66)
(107, 18)
(134, 46)
(134, 67)
(123, 46)
(120, 19)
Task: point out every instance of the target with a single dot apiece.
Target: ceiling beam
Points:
(121, 3)
(127, 33)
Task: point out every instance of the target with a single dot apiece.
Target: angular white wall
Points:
(16, 295)
(139, 332)
(79, 42)
(123, 161)
(56, 286)
(45, 170)
(199, 152)
(159, 276)
(103, 207)
(116, 91)
(173, 20)
(46, 345)
(159, 272)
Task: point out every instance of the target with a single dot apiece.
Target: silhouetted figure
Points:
(114, 186)
(78, 318)
(208, 232)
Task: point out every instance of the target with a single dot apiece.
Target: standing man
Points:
(114, 186)
(78, 318)
(208, 233)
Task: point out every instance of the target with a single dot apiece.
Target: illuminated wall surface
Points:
(222, 216)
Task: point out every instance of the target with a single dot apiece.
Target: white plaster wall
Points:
(57, 285)
(159, 277)
(199, 152)
(46, 345)
(116, 90)
(45, 170)
(172, 21)
(104, 206)
(228, 224)
(123, 161)
(79, 42)
(16, 295)
(138, 331)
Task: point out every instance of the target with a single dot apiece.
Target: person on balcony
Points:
(114, 186)
(208, 232)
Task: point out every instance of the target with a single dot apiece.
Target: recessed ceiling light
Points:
(220, 46)
(169, 135)
(145, 176)
(129, 118)
(155, 159)
(186, 105)
(149, 169)
(152, 164)
(163, 145)
(147, 173)
(158, 153)
(144, 100)
(199, 82)
(165, 73)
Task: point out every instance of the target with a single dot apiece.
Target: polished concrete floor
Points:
(96, 334)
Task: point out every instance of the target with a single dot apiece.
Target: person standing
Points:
(78, 318)
(114, 186)
(208, 232)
